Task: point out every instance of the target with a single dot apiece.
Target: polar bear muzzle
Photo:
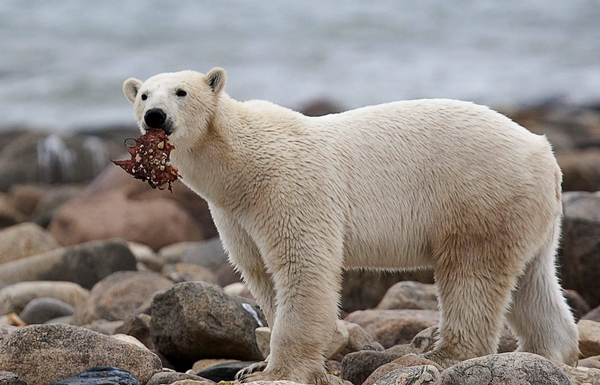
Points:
(156, 118)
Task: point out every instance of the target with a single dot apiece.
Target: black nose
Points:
(155, 118)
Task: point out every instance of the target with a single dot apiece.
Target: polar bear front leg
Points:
(306, 266)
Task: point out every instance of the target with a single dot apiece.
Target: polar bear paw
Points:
(257, 367)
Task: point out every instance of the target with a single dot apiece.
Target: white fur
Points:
(440, 183)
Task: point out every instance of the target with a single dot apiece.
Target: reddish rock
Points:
(156, 223)
(394, 327)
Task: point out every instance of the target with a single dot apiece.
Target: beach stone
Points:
(14, 298)
(238, 289)
(167, 378)
(5, 330)
(156, 223)
(505, 368)
(208, 253)
(9, 215)
(394, 327)
(358, 366)
(183, 272)
(579, 257)
(263, 340)
(68, 319)
(364, 289)
(590, 362)
(412, 375)
(40, 310)
(103, 326)
(138, 326)
(225, 371)
(382, 375)
(195, 320)
(52, 200)
(145, 255)
(24, 240)
(580, 375)
(41, 354)
(593, 315)
(120, 295)
(26, 197)
(357, 339)
(100, 375)
(129, 339)
(8, 378)
(200, 365)
(409, 295)
(581, 169)
(577, 304)
(589, 338)
(85, 264)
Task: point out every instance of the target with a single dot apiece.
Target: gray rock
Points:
(40, 310)
(409, 295)
(505, 368)
(167, 378)
(5, 330)
(42, 354)
(119, 295)
(8, 378)
(358, 366)
(85, 264)
(24, 240)
(195, 320)
(138, 326)
(579, 257)
(412, 375)
(14, 298)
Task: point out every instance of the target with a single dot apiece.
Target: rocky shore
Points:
(106, 281)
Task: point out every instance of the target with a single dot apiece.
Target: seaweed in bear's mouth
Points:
(150, 160)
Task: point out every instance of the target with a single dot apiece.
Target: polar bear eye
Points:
(144, 97)
(181, 93)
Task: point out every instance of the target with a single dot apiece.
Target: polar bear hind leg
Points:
(539, 314)
(473, 297)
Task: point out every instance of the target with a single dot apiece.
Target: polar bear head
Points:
(180, 103)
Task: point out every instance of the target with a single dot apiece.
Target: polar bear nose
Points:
(155, 118)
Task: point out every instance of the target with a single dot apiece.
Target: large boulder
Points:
(120, 295)
(579, 257)
(24, 240)
(156, 223)
(42, 354)
(84, 264)
(14, 298)
(195, 320)
(505, 368)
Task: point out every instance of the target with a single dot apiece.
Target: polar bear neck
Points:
(236, 132)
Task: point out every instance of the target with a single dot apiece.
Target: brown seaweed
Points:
(150, 160)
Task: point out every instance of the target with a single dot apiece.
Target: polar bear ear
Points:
(131, 88)
(216, 79)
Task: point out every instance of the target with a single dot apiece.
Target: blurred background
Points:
(62, 63)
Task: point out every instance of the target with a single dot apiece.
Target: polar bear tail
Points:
(539, 314)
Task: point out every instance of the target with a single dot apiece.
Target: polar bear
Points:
(440, 183)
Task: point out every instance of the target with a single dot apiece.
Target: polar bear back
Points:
(415, 170)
